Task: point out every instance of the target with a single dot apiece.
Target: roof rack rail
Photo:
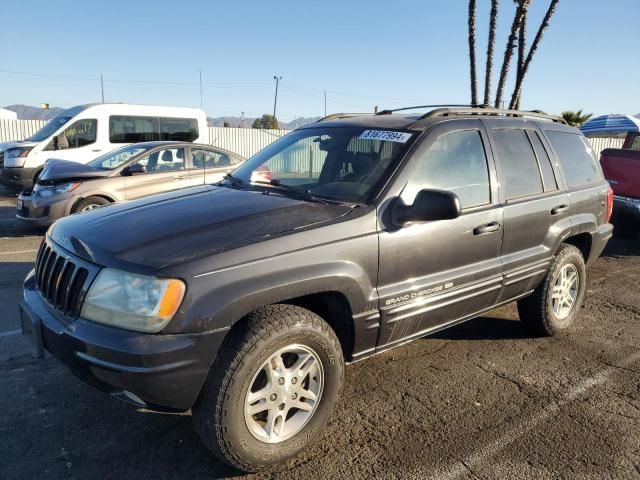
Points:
(335, 116)
(485, 110)
(389, 111)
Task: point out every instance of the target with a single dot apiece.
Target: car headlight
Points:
(46, 191)
(15, 157)
(132, 301)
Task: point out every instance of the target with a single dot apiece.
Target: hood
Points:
(66, 170)
(24, 143)
(148, 234)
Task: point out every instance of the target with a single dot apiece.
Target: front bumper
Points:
(18, 178)
(156, 371)
(42, 212)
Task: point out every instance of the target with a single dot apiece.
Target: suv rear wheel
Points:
(272, 389)
(554, 305)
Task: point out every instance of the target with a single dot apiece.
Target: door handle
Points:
(97, 150)
(559, 209)
(179, 177)
(488, 228)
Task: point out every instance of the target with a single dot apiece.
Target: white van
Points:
(85, 132)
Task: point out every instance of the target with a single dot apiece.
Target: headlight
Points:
(131, 301)
(15, 157)
(45, 191)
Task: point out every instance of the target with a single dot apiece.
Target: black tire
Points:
(88, 202)
(219, 412)
(536, 311)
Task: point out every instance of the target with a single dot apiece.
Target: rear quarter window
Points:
(576, 158)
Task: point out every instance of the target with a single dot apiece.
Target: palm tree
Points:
(511, 44)
(522, 46)
(576, 119)
(517, 91)
(472, 51)
(493, 17)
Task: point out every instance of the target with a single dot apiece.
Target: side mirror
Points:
(133, 169)
(429, 205)
(56, 143)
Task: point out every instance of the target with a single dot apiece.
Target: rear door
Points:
(535, 207)
(164, 170)
(433, 273)
(209, 165)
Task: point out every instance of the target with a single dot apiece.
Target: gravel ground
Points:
(482, 400)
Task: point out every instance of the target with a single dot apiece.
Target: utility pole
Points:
(325, 103)
(200, 88)
(102, 87)
(275, 99)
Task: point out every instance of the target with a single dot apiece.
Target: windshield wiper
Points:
(306, 194)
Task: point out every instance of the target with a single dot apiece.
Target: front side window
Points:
(576, 158)
(130, 129)
(116, 158)
(208, 159)
(519, 164)
(78, 134)
(456, 162)
(635, 144)
(166, 160)
(340, 163)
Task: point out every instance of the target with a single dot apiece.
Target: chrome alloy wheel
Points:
(91, 206)
(284, 394)
(565, 291)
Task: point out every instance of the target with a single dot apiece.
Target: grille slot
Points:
(1, 159)
(60, 280)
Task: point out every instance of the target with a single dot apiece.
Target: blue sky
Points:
(362, 53)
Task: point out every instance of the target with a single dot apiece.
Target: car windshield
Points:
(114, 159)
(337, 163)
(49, 129)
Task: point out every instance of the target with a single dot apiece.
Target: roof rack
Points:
(335, 116)
(483, 109)
(389, 111)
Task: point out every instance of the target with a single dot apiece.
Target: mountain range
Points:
(27, 112)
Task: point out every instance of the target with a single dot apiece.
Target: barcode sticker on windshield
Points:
(386, 135)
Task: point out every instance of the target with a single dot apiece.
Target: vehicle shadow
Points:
(618, 247)
(485, 328)
(10, 226)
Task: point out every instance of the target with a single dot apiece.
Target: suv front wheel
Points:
(554, 304)
(272, 389)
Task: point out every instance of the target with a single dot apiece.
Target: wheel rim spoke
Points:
(565, 291)
(284, 394)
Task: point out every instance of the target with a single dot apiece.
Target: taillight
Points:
(609, 204)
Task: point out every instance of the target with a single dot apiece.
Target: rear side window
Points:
(635, 144)
(548, 177)
(134, 129)
(210, 159)
(129, 129)
(519, 164)
(456, 162)
(178, 129)
(575, 158)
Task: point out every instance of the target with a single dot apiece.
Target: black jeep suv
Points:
(243, 300)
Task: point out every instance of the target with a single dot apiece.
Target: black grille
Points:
(1, 159)
(61, 280)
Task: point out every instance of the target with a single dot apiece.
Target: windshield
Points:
(343, 164)
(114, 159)
(49, 129)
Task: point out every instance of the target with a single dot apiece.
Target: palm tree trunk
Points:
(522, 46)
(493, 17)
(508, 52)
(517, 91)
(472, 51)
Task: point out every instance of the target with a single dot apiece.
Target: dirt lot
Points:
(482, 400)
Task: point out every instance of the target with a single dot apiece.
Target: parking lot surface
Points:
(482, 400)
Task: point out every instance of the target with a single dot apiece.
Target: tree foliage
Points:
(576, 119)
(266, 121)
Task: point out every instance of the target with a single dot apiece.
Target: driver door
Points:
(164, 170)
(434, 273)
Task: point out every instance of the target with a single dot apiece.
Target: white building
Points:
(7, 114)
